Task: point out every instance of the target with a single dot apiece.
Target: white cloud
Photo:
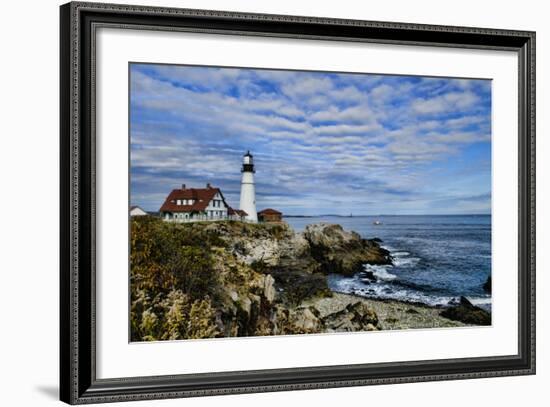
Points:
(307, 86)
(448, 102)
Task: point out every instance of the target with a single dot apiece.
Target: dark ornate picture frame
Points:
(78, 381)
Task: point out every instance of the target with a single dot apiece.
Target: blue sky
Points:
(322, 142)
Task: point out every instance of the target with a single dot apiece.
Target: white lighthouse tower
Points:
(248, 192)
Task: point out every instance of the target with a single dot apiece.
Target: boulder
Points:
(340, 251)
(355, 317)
(468, 313)
(369, 275)
(304, 320)
(340, 322)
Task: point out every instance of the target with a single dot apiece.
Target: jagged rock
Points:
(355, 317)
(340, 323)
(370, 275)
(245, 305)
(363, 314)
(304, 319)
(233, 295)
(323, 247)
(278, 318)
(296, 286)
(468, 313)
(269, 288)
(339, 251)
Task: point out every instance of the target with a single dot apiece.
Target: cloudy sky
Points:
(322, 142)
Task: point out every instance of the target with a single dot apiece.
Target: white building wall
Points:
(221, 210)
(248, 196)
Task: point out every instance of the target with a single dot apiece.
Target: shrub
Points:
(193, 270)
(172, 280)
(171, 317)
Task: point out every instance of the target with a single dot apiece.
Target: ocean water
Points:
(436, 258)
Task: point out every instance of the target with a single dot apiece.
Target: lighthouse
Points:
(248, 193)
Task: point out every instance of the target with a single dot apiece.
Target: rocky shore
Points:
(391, 314)
(221, 279)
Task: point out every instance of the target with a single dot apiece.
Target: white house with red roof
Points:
(198, 204)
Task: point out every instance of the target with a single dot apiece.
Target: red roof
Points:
(201, 197)
(269, 211)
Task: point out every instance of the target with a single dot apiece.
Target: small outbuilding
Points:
(270, 215)
(137, 211)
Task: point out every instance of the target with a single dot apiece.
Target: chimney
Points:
(209, 186)
(182, 186)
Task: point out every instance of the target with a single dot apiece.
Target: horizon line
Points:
(370, 215)
(387, 214)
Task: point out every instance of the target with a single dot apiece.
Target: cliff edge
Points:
(219, 279)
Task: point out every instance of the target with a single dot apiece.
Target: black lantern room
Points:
(248, 163)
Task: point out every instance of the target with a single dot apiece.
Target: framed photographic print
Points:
(256, 203)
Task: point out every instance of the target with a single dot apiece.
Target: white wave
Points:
(406, 261)
(400, 254)
(385, 291)
(381, 272)
(480, 300)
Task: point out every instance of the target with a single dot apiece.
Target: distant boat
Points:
(376, 223)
